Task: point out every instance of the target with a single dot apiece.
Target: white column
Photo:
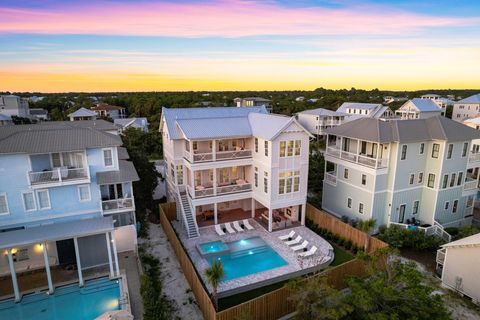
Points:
(14, 276)
(304, 211)
(47, 268)
(115, 256)
(253, 208)
(270, 220)
(190, 142)
(214, 150)
(214, 181)
(79, 264)
(109, 250)
(215, 212)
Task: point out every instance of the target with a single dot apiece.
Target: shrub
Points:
(348, 244)
(341, 241)
(398, 237)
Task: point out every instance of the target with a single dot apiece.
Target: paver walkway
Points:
(128, 262)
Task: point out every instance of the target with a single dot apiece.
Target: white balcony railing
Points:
(441, 256)
(202, 192)
(117, 205)
(57, 175)
(331, 177)
(228, 155)
(470, 184)
(474, 157)
(358, 158)
(234, 188)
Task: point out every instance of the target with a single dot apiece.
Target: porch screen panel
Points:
(93, 250)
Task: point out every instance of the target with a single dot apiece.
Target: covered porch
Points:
(213, 150)
(222, 212)
(43, 256)
(280, 218)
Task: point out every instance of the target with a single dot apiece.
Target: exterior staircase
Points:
(188, 217)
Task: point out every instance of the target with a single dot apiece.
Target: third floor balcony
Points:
(218, 150)
(365, 153)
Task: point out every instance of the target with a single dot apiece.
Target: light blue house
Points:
(66, 198)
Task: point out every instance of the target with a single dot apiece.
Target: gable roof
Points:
(472, 99)
(82, 112)
(323, 112)
(473, 240)
(422, 105)
(381, 131)
(214, 128)
(430, 95)
(358, 105)
(127, 122)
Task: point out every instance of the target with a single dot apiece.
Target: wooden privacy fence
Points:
(336, 226)
(275, 304)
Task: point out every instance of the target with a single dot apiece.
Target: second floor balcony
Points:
(365, 153)
(58, 169)
(217, 150)
(117, 197)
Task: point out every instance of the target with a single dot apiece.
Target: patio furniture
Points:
(229, 228)
(287, 236)
(247, 224)
(237, 226)
(294, 241)
(219, 230)
(308, 253)
(300, 246)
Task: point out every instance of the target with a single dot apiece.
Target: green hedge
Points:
(399, 237)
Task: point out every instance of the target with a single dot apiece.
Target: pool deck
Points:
(296, 266)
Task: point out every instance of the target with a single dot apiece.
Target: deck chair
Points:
(294, 241)
(229, 228)
(300, 246)
(219, 230)
(247, 224)
(308, 253)
(237, 226)
(286, 236)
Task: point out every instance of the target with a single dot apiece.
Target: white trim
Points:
(34, 201)
(80, 194)
(4, 194)
(38, 199)
(103, 156)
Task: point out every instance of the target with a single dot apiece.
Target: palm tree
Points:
(215, 275)
(366, 226)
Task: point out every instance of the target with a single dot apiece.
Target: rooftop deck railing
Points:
(57, 175)
(117, 205)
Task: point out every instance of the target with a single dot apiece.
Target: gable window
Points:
(460, 178)
(360, 208)
(435, 150)
(412, 179)
(364, 179)
(455, 206)
(450, 151)
(29, 201)
(266, 148)
(298, 147)
(349, 202)
(43, 199)
(445, 181)
(84, 193)
(283, 146)
(290, 148)
(256, 144)
(420, 177)
(108, 157)
(415, 207)
(465, 148)
(431, 180)
(345, 173)
(404, 152)
(422, 148)
(452, 179)
(3, 203)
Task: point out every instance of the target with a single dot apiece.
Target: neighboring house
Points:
(317, 120)
(419, 109)
(138, 123)
(369, 110)
(39, 114)
(466, 108)
(230, 163)
(253, 102)
(442, 103)
(5, 120)
(82, 114)
(66, 189)
(390, 99)
(458, 262)
(161, 189)
(401, 171)
(299, 99)
(11, 105)
(35, 98)
(109, 111)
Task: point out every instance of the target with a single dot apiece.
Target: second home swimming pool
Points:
(243, 257)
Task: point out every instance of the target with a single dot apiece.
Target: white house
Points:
(12, 105)
(317, 120)
(458, 262)
(253, 102)
(106, 110)
(5, 120)
(402, 171)
(82, 114)
(138, 123)
(441, 102)
(228, 164)
(390, 99)
(419, 109)
(370, 110)
(39, 114)
(466, 108)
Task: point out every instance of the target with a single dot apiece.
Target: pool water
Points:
(69, 302)
(212, 247)
(246, 257)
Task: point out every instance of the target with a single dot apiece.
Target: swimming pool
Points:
(69, 302)
(247, 256)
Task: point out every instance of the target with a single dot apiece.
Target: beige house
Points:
(458, 262)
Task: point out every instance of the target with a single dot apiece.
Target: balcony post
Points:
(358, 151)
(215, 212)
(214, 150)
(59, 175)
(47, 267)
(378, 153)
(192, 153)
(79, 264)
(115, 254)
(13, 274)
(253, 208)
(270, 219)
(214, 181)
(109, 251)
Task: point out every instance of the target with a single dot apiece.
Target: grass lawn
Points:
(341, 255)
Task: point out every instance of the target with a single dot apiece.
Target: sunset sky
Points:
(127, 45)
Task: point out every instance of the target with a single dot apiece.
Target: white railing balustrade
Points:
(117, 204)
(234, 188)
(331, 177)
(57, 175)
(474, 157)
(470, 184)
(224, 155)
(357, 158)
(441, 256)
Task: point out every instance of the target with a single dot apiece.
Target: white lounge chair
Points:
(237, 226)
(308, 253)
(300, 246)
(286, 236)
(219, 230)
(294, 241)
(229, 228)
(247, 224)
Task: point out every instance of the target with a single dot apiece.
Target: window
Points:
(412, 179)
(349, 202)
(195, 145)
(296, 182)
(43, 199)
(422, 148)
(460, 178)
(415, 207)
(29, 201)
(404, 152)
(450, 151)
(288, 181)
(298, 147)
(107, 157)
(255, 177)
(84, 193)
(3, 204)
(455, 206)
(345, 173)
(360, 208)
(266, 148)
(465, 148)
(445, 181)
(364, 179)
(256, 144)
(447, 204)
(420, 177)
(281, 186)
(179, 174)
(283, 146)
(431, 180)
(290, 148)
(452, 180)
(265, 185)
(435, 150)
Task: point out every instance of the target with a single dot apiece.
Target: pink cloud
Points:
(234, 18)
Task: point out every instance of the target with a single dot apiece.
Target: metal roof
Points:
(126, 173)
(55, 231)
(323, 112)
(38, 111)
(433, 128)
(266, 126)
(472, 99)
(215, 128)
(423, 105)
(473, 240)
(127, 122)
(358, 105)
(82, 112)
